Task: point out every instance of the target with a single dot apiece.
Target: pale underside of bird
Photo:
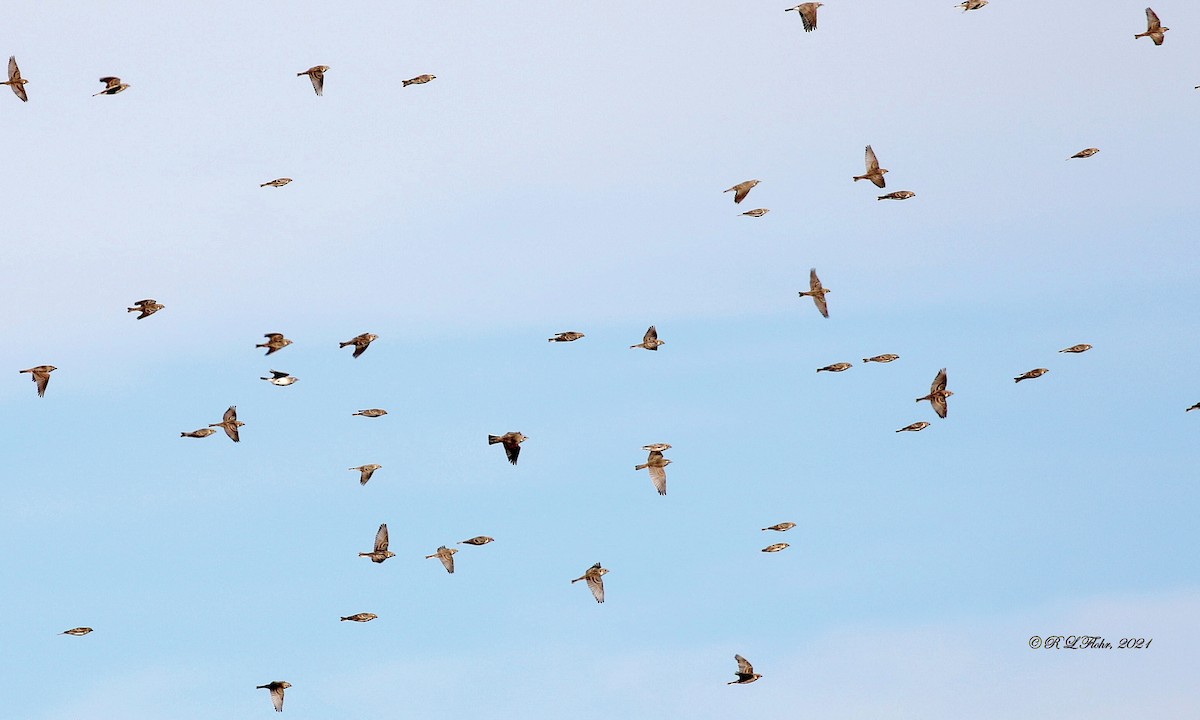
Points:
(360, 617)
(371, 412)
(938, 394)
(112, 85)
(511, 442)
(741, 190)
(874, 172)
(898, 195)
(972, 4)
(276, 688)
(419, 80)
(201, 433)
(381, 552)
(1085, 153)
(478, 540)
(657, 466)
(568, 336)
(650, 340)
(15, 81)
(836, 367)
(274, 343)
(757, 212)
(1035, 373)
(280, 378)
(360, 343)
(781, 527)
(1154, 28)
(277, 182)
(366, 471)
(915, 427)
(230, 424)
(817, 292)
(41, 376)
(885, 358)
(146, 307)
(1081, 347)
(808, 14)
(77, 632)
(775, 547)
(595, 581)
(745, 672)
(446, 555)
(316, 73)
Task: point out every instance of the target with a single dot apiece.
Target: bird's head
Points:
(50, 368)
(947, 393)
(285, 684)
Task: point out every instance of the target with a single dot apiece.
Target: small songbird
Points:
(915, 427)
(512, 444)
(446, 555)
(360, 617)
(419, 80)
(836, 367)
(112, 85)
(757, 212)
(146, 307)
(360, 343)
(657, 465)
(381, 552)
(781, 527)
(1082, 347)
(741, 190)
(478, 540)
(569, 336)
(817, 292)
(280, 378)
(1194, 407)
(230, 423)
(745, 672)
(277, 182)
(874, 172)
(275, 341)
(316, 73)
(649, 341)
(1085, 153)
(277, 687)
(370, 412)
(808, 13)
(972, 4)
(77, 632)
(41, 376)
(652, 447)
(898, 195)
(595, 580)
(775, 547)
(1154, 28)
(1035, 373)
(201, 433)
(886, 358)
(938, 394)
(365, 472)
(15, 81)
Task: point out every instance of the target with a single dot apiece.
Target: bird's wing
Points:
(658, 475)
(274, 337)
(14, 72)
(939, 382)
(651, 334)
(744, 666)
(110, 81)
(277, 374)
(446, 558)
(821, 304)
(596, 582)
(879, 180)
(360, 346)
(872, 162)
(232, 431)
(512, 449)
(939, 405)
(42, 379)
(381, 539)
(814, 282)
(277, 698)
(1152, 21)
(318, 81)
(367, 472)
(230, 414)
(808, 14)
(740, 193)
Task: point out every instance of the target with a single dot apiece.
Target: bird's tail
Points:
(630, 347)
(859, 177)
(1018, 379)
(299, 74)
(641, 467)
(344, 344)
(578, 579)
(264, 185)
(407, 83)
(493, 439)
(866, 359)
(182, 434)
(345, 618)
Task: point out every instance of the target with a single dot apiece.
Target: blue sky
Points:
(564, 172)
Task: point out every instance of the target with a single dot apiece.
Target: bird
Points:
(836, 367)
(874, 172)
(898, 195)
(1194, 407)
(650, 340)
(280, 378)
(757, 212)
(201, 433)
(366, 471)
(419, 80)
(370, 412)
(277, 182)
(275, 342)
(915, 427)
(972, 4)
(569, 336)
(657, 465)
(316, 73)
(512, 444)
(745, 672)
(446, 555)
(146, 307)
(741, 190)
(360, 343)
(938, 394)
(77, 632)
(1082, 347)
(478, 540)
(808, 13)
(15, 81)
(1154, 28)
(886, 358)
(277, 687)
(41, 376)
(775, 547)
(112, 85)
(381, 552)
(360, 617)
(817, 292)
(230, 423)
(1085, 153)
(657, 446)
(781, 527)
(1035, 373)
(595, 581)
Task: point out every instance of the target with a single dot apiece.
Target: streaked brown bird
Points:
(419, 80)
(885, 358)
(657, 465)
(757, 212)
(280, 378)
(569, 336)
(938, 394)
(781, 527)
(201, 433)
(1081, 347)
(595, 581)
(836, 367)
(808, 13)
(650, 340)
(381, 552)
(1154, 28)
(817, 292)
(915, 427)
(277, 182)
(360, 617)
(275, 342)
(15, 81)
(741, 190)
(1085, 153)
(316, 73)
(77, 632)
(230, 423)
(512, 444)
(972, 4)
(112, 85)
(874, 172)
(146, 307)
(657, 446)
(776, 547)
(277, 687)
(898, 195)
(360, 343)
(41, 376)
(745, 672)
(366, 471)
(446, 555)
(370, 412)
(478, 540)
(1035, 373)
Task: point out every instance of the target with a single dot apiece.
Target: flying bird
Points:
(360, 617)
(836, 367)
(1194, 407)
(201, 433)
(741, 190)
(781, 527)
(1035, 373)
(41, 376)
(745, 672)
(275, 341)
(446, 555)
(775, 547)
(972, 4)
(898, 195)
(276, 689)
(512, 444)
(569, 336)
(280, 378)
(938, 394)
(817, 292)
(366, 471)
(478, 540)
(146, 307)
(370, 412)
(885, 358)
(649, 341)
(1154, 28)
(316, 73)
(230, 423)
(657, 446)
(419, 80)
(112, 85)
(15, 81)
(808, 13)
(874, 172)
(381, 552)
(277, 182)
(757, 212)
(77, 632)
(915, 427)
(1085, 153)
(595, 581)
(360, 343)
(1082, 347)
(657, 465)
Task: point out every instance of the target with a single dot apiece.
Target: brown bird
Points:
(41, 376)
(1194, 407)
(1085, 153)
(381, 552)
(277, 687)
(781, 527)
(808, 13)
(478, 540)
(898, 195)
(874, 172)
(77, 632)
(745, 672)
(972, 4)
(757, 212)
(938, 394)
(316, 73)
(112, 85)
(569, 336)
(915, 427)
(277, 182)
(230, 423)
(775, 547)
(360, 343)
(146, 307)
(512, 444)
(836, 367)
(419, 80)
(360, 617)
(886, 358)
(657, 446)
(741, 190)
(817, 292)
(657, 465)
(15, 81)
(1154, 28)
(649, 341)
(366, 471)
(1035, 373)
(275, 341)
(595, 581)
(201, 433)
(370, 412)
(1082, 347)
(446, 556)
